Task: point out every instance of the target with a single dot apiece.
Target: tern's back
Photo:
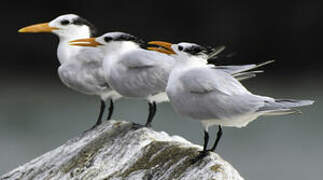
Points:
(213, 94)
(141, 72)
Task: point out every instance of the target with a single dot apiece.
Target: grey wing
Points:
(90, 55)
(147, 72)
(87, 80)
(84, 72)
(93, 74)
(218, 95)
(139, 59)
(205, 80)
(91, 67)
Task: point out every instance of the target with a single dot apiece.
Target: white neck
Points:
(183, 64)
(187, 62)
(119, 47)
(65, 52)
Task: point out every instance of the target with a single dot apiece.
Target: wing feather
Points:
(140, 59)
(213, 94)
(206, 80)
(242, 68)
(142, 72)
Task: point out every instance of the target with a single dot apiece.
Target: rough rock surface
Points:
(116, 151)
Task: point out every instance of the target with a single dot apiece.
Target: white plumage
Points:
(81, 67)
(132, 70)
(214, 96)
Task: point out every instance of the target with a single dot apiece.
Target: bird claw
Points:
(148, 125)
(200, 156)
(136, 126)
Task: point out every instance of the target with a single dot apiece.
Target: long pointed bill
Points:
(37, 28)
(88, 42)
(162, 47)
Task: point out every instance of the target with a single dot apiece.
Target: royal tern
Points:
(213, 96)
(133, 70)
(81, 67)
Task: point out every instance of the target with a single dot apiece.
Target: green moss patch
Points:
(158, 157)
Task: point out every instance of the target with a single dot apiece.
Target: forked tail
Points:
(283, 106)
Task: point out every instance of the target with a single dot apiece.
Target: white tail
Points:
(283, 106)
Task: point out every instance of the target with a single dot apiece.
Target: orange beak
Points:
(162, 47)
(88, 42)
(37, 28)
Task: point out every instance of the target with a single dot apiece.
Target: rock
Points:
(117, 151)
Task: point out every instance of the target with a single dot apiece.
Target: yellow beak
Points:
(37, 28)
(88, 42)
(162, 47)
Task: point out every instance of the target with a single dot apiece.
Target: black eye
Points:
(180, 48)
(107, 39)
(65, 22)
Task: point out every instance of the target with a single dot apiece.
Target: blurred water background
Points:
(38, 113)
(37, 116)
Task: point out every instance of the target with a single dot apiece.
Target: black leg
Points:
(148, 122)
(155, 110)
(205, 152)
(99, 121)
(206, 140)
(110, 110)
(218, 137)
(152, 112)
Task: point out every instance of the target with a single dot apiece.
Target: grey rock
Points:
(117, 151)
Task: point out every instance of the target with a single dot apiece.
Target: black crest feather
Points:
(82, 21)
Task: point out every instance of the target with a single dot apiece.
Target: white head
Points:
(184, 51)
(66, 27)
(112, 42)
(191, 50)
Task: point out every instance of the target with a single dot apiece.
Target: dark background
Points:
(32, 97)
(257, 30)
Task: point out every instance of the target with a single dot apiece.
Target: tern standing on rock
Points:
(131, 69)
(81, 67)
(213, 96)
